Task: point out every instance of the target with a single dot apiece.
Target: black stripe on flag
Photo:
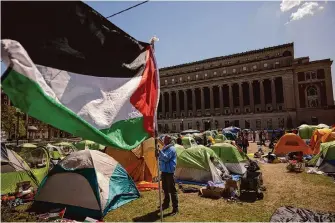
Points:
(71, 36)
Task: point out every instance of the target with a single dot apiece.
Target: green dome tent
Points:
(87, 144)
(14, 169)
(98, 185)
(55, 152)
(179, 149)
(232, 158)
(194, 164)
(220, 138)
(66, 147)
(188, 142)
(325, 159)
(306, 131)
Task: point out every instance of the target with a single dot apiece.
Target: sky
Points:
(190, 31)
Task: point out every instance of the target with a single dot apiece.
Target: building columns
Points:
(231, 104)
(240, 96)
(193, 102)
(163, 104)
(273, 94)
(261, 82)
(202, 101)
(221, 99)
(177, 101)
(185, 103)
(251, 95)
(170, 104)
(211, 100)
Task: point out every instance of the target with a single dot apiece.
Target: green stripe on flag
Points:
(31, 99)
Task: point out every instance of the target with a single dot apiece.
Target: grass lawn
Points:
(315, 192)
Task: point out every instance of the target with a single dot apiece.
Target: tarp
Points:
(290, 142)
(292, 214)
(233, 159)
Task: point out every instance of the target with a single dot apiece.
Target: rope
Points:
(127, 9)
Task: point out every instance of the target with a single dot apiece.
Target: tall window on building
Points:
(269, 123)
(174, 127)
(258, 124)
(312, 97)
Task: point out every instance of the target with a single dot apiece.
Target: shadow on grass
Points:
(150, 217)
(248, 197)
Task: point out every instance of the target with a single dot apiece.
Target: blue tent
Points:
(229, 135)
(232, 129)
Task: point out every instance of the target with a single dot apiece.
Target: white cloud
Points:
(306, 9)
(287, 5)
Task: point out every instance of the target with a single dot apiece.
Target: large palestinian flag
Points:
(70, 67)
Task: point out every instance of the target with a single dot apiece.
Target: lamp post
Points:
(182, 124)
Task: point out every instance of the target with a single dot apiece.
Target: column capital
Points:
(240, 83)
(260, 81)
(251, 81)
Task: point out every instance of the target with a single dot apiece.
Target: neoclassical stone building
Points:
(266, 88)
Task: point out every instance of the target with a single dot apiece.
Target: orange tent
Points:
(317, 135)
(327, 137)
(140, 162)
(291, 142)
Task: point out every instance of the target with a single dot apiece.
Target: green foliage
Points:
(9, 120)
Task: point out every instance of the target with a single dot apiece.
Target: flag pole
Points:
(152, 42)
(159, 178)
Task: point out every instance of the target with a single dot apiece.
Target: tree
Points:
(9, 121)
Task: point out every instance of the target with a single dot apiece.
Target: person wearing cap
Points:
(167, 164)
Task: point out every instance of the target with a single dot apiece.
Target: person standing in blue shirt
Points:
(167, 164)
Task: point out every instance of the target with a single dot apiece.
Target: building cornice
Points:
(228, 56)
